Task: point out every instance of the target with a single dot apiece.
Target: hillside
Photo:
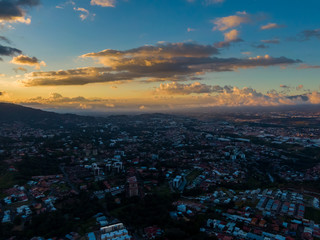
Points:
(10, 113)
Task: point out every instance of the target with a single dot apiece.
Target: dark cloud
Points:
(11, 10)
(167, 62)
(168, 50)
(303, 98)
(307, 35)
(28, 2)
(9, 51)
(4, 39)
(260, 46)
(226, 44)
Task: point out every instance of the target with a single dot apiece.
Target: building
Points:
(177, 181)
(133, 187)
(114, 232)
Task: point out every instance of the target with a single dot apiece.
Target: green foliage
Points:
(193, 175)
(32, 166)
(312, 214)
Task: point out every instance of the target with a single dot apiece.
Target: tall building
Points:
(133, 188)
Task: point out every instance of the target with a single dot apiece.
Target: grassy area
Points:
(63, 187)
(87, 226)
(118, 212)
(193, 175)
(162, 190)
(312, 214)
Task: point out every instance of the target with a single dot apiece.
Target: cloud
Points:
(28, 61)
(271, 26)
(234, 96)
(186, 89)
(284, 86)
(84, 13)
(260, 46)
(69, 2)
(271, 41)
(161, 62)
(160, 50)
(57, 101)
(299, 87)
(172, 97)
(232, 35)
(4, 39)
(308, 34)
(15, 10)
(307, 66)
(225, 23)
(287, 89)
(3, 94)
(191, 29)
(8, 51)
(314, 97)
(22, 69)
(104, 3)
(2, 75)
(229, 37)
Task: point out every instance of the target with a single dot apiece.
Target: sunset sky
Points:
(158, 55)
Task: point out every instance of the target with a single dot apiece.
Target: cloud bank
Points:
(174, 96)
(161, 62)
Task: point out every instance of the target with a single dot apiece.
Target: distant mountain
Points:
(10, 113)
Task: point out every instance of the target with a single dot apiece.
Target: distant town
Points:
(159, 176)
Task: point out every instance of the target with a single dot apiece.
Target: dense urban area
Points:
(245, 175)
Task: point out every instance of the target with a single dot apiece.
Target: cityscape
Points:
(161, 176)
(159, 120)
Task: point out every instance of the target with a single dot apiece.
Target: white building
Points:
(177, 181)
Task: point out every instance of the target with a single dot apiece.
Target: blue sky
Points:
(57, 35)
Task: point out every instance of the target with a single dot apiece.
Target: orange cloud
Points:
(231, 36)
(271, 26)
(225, 23)
(29, 61)
(84, 13)
(186, 89)
(173, 96)
(104, 3)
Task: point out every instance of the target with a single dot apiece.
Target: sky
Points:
(158, 55)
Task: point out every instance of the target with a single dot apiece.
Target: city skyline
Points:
(129, 55)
